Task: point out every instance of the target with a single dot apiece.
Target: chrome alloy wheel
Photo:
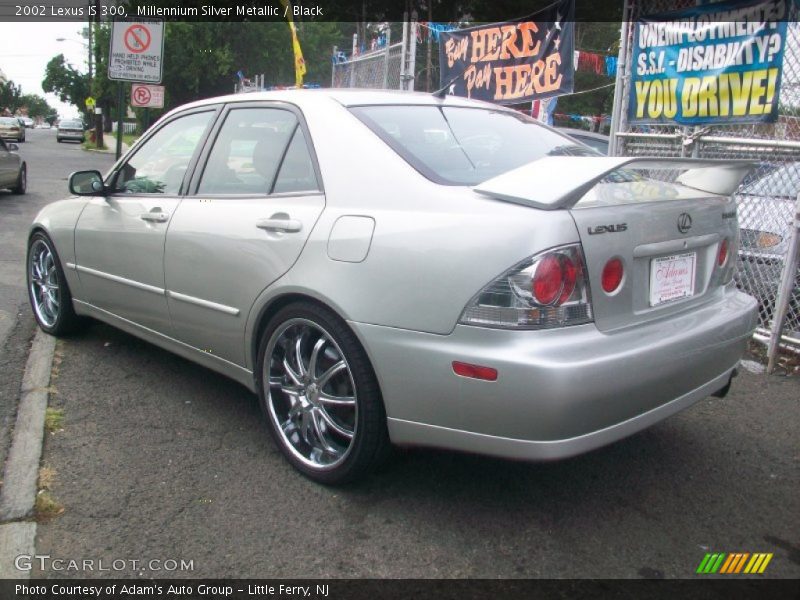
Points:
(43, 283)
(310, 393)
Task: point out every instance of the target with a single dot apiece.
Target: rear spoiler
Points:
(555, 182)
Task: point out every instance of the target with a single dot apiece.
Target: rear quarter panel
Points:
(433, 247)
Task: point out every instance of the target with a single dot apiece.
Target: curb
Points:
(18, 495)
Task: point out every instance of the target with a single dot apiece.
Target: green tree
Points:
(67, 82)
(36, 106)
(10, 94)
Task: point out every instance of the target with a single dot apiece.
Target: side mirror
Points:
(86, 183)
(12, 147)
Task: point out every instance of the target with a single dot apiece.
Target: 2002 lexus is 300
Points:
(396, 268)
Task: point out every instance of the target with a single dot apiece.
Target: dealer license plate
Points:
(672, 277)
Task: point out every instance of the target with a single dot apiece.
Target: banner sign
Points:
(717, 63)
(512, 62)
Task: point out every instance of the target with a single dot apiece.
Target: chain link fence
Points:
(767, 199)
(390, 66)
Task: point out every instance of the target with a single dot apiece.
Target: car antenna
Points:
(447, 88)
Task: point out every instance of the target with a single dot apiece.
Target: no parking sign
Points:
(137, 49)
(147, 96)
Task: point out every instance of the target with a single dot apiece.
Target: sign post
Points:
(137, 50)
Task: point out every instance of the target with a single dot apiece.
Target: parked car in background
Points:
(598, 141)
(12, 129)
(28, 122)
(766, 208)
(396, 267)
(13, 170)
(70, 129)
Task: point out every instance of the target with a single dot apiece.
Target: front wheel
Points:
(47, 288)
(320, 395)
(22, 181)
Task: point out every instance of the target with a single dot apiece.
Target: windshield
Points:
(464, 146)
(71, 124)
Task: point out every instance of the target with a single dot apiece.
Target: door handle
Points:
(154, 217)
(283, 225)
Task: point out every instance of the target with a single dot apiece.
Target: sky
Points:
(26, 48)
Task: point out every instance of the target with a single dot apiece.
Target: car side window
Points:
(297, 169)
(248, 151)
(159, 165)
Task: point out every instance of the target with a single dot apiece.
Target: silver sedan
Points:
(395, 268)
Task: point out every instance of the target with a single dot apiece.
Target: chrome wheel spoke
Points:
(326, 376)
(330, 422)
(336, 400)
(295, 377)
(321, 431)
(298, 354)
(312, 362)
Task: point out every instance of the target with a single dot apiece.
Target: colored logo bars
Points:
(734, 563)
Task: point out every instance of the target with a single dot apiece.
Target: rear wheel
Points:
(22, 181)
(47, 288)
(320, 395)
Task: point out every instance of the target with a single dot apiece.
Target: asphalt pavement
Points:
(160, 460)
(49, 165)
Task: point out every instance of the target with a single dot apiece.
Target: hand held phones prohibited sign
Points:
(137, 50)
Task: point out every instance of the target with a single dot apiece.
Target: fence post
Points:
(784, 290)
(386, 59)
(412, 54)
(620, 84)
(333, 66)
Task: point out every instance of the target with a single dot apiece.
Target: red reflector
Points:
(547, 281)
(612, 275)
(723, 252)
(474, 371)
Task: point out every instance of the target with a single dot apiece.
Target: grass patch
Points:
(53, 419)
(87, 145)
(46, 507)
(46, 477)
(130, 138)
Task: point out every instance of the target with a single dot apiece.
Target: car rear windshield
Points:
(8, 121)
(71, 125)
(464, 146)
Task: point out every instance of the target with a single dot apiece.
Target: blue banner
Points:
(717, 63)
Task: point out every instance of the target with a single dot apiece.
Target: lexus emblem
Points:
(684, 222)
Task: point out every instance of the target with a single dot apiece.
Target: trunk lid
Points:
(667, 235)
(668, 238)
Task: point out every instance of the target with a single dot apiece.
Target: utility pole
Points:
(98, 111)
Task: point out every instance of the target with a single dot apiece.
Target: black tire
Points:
(22, 181)
(59, 140)
(66, 320)
(369, 445)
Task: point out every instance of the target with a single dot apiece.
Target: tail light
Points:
(545, 291)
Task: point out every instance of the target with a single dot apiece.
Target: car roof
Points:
(346, 97)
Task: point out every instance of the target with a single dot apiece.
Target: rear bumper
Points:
(558, 392)
(63, 135)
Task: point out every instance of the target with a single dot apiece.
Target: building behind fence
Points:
(766, 200)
